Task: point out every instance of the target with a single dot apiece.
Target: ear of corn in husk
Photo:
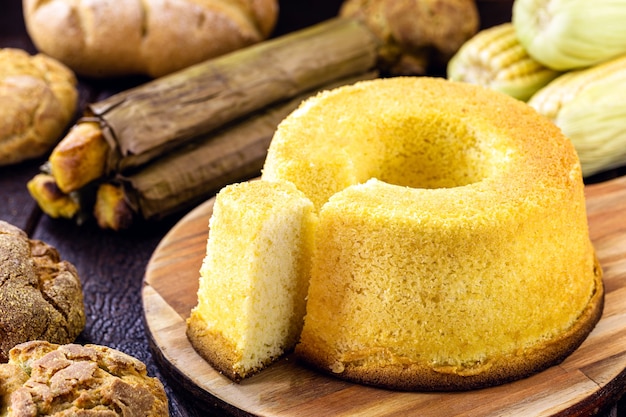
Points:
(590, 108)
(571, 34)
(494, 58)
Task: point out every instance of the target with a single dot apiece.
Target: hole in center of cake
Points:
(434, 152)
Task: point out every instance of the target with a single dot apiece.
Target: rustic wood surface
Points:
(112, 265)
(592, 376)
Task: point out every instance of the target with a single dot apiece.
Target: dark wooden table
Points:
(112, 264)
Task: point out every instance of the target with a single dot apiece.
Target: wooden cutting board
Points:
(592, 378)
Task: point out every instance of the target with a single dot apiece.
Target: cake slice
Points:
(254, 278)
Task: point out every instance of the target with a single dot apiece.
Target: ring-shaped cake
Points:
(452, 249)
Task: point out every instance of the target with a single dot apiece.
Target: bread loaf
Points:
(40, 294)
(38, 99)
(102, 38)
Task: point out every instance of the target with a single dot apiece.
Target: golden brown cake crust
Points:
(503, 369)
(38, 99)
(40, 294)
(216, 350)
(90, 380)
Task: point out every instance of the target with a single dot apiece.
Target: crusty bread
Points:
(40, 294)
(45, 379)
(102, 38)
(38, 99)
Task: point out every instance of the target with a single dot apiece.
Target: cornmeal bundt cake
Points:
(452, 250)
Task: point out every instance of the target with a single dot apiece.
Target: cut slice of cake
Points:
(254, 278)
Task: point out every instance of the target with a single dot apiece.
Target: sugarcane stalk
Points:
(142, 123)
(192, 173)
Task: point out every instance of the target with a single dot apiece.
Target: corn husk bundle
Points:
(177, 180)
(590, 108)
(571, 34)
(235, 153)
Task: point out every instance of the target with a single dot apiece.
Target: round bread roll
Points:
(45, 379)
(102, 38)
(40, 294)
(38, 99)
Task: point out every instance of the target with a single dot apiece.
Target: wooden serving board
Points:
(592, 378)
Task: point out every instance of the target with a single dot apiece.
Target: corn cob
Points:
(590, 108)
(494, 58)
(571, 34)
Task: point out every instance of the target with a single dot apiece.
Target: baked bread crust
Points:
(64, 380)
(104, 38)
(40, 294)
(38, 99)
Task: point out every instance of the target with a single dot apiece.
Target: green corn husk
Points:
(571, 34)
(590, 108)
